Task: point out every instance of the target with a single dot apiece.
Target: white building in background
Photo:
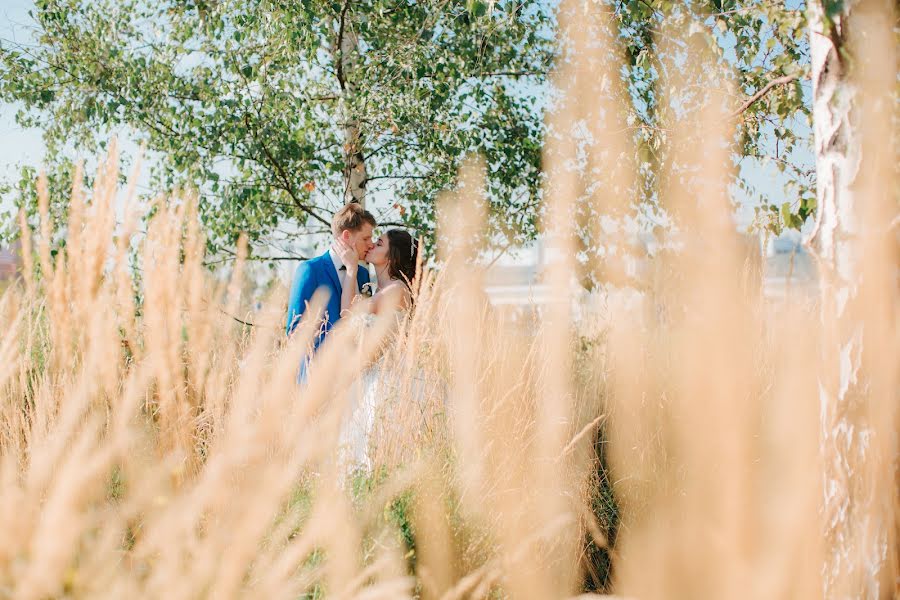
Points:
(9, 263)
(514, 279)
(787, 269)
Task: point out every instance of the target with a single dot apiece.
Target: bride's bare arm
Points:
(349, 290)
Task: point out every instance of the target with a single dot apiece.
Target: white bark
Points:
(836, 142)
(355, 176)
(856, 526)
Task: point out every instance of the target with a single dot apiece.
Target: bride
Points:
(394, 258)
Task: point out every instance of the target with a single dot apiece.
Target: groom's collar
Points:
(335, 260)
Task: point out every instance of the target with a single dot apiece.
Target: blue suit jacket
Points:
(312, 274)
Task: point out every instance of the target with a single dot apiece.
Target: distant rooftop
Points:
(787, 266)
(9, 263)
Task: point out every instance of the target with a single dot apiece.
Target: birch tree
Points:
(854, 76)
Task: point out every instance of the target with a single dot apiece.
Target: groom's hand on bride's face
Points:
(347, 254)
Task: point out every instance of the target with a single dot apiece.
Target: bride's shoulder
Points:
(396, 292)
(395, 284)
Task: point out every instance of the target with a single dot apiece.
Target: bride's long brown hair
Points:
(402, 253)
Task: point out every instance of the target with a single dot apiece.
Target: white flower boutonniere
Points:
(367, 289)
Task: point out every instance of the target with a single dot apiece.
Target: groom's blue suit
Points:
(312, 274)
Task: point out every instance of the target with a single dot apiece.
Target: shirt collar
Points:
(336, 260)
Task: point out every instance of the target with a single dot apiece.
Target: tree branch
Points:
(484, 74)
(765, 90)
(241, 321)
(287, 186)
(399, 177)
(511, 74)
(392, 224)
(232, 257)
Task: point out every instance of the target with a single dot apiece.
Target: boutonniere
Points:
(367, 289)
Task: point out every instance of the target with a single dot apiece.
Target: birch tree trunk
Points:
(853, 75)
(355, 176)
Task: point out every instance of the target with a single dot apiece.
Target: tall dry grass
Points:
(152, 444)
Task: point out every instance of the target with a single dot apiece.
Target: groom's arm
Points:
(302, 289)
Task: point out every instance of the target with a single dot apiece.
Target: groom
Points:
(352, 225)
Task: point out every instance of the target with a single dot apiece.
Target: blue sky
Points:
(18, 144)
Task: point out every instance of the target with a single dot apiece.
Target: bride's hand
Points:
(348, 256)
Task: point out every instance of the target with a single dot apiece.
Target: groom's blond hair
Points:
(351, 217)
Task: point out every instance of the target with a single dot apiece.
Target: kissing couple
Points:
(393, 256)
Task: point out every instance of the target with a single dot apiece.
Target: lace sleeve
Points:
(359, 323)
(363, 320)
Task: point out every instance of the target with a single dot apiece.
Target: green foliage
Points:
(758, 49)
(776, 218)
(754, 42)
(605, 509)
(23, 194)
(398, 512)
(589, 351)
(247, 102)
(832, 9)
(116, 486)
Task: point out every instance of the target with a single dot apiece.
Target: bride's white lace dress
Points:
(359, 420)
(364, 400)
(374, 404)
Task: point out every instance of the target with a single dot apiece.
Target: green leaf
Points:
(833, 8)
(477, 8)
(786, 213)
